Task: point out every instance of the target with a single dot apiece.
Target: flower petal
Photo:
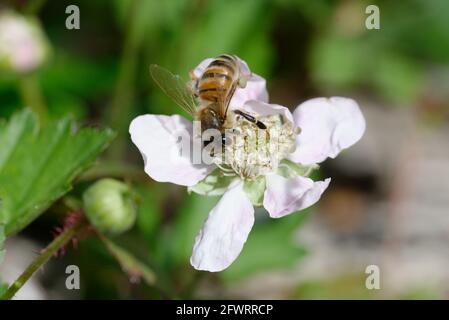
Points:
(262, 109)
(225, 232)
(284, 196)
(255, 89)
(199, 70)
(160, 140)
(328, 125)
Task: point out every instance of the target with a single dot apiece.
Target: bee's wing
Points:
(225, 100)
(174, 87)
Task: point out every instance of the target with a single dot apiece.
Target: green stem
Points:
(132, 266)
(40, 260)
(189, 290)
(33, 7)
(32, 96)
(118, 116)
(117, 170)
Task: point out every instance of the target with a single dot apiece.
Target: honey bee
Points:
(207, 98)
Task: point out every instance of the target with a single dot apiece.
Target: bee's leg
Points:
(252, 119)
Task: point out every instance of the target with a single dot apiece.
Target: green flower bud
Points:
(110, 206)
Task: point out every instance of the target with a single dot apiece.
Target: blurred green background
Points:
(99, 75)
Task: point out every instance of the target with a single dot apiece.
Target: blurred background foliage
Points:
(99, 75)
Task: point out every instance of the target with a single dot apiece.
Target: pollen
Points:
(251, 152)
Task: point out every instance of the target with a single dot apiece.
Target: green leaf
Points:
(289, 169)
(336, 62)
(2, 239)
(255, 189)
(270, 246)
(247, 18)
(38, 165)
(215, 184)
(130, 264)
(149, 211)
(397, 78)
(189, 219)
(3, 288)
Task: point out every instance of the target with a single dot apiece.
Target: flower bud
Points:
(23, 44)
(110, 206)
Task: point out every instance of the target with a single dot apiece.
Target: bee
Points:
(207, 98)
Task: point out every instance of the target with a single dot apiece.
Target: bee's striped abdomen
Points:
(219, 79)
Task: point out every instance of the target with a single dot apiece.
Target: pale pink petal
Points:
(225, 232)
(165, 145)
(199, 70)
(284, 196)
(261, 109)
(244, 69)
(328, 125)
(255, 89)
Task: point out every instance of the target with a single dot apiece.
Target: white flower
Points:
(23, 45)
(261, 167)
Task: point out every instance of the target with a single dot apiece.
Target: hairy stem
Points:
(42, 258)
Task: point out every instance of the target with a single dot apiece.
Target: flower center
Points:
(251, 152)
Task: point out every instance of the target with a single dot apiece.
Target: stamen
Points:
(256, 152)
